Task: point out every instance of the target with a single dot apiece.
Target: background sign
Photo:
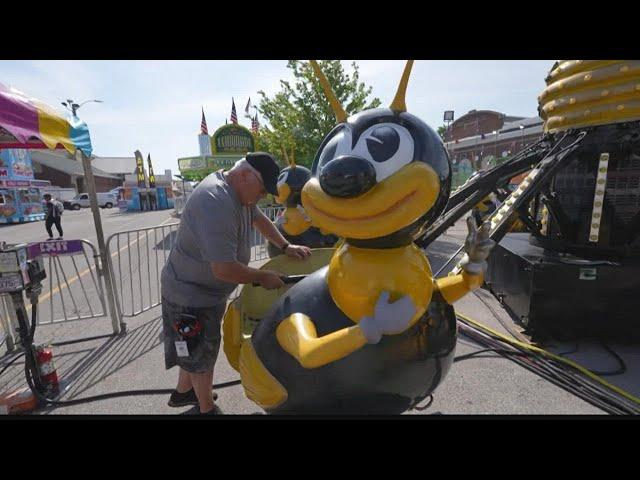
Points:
(152, 177)
(15, 164)
(53, 248)
(232, 139)
(192, 163)
(140, 169)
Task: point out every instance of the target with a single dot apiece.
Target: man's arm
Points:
(268, 229)
(236, 272)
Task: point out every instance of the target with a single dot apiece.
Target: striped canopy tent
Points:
(26, 122)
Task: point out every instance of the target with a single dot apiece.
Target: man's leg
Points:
(58, 222)
(47, 224)
(184, 381)
(203, 386)
(206, 354)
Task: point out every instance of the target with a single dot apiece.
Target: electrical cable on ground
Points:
(11, 362)
(556, 369)
(500, 351)
(559, 374)
(33, 378)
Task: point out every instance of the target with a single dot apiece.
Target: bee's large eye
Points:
(382, 143)
(388, 146)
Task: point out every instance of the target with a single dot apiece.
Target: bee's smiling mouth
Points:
(387, 211)
(389, 206)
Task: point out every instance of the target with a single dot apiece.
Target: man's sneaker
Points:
(216, 410)
(178, 399)
(59, 238)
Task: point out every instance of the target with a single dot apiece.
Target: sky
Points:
(155, 106)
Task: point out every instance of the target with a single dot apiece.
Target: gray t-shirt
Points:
(215, 227)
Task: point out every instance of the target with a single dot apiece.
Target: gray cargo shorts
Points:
(203, 348)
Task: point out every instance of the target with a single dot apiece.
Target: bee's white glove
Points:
(388, 318)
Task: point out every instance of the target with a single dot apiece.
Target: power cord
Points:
(577, 379)
(33, 378)
(11, 362)
(501, 351)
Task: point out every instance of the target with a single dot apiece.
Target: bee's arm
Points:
(297, 336)
(455, 287)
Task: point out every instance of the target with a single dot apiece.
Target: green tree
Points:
(441, 131)
(299, 116)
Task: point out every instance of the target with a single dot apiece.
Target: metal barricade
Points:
(258, 242)
(73, 283)
(8, 325)
(138, 256)
(180, 202)
(137, 260)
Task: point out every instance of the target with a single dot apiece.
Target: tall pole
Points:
(105, 259)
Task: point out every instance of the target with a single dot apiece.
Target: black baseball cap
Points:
(266, 164)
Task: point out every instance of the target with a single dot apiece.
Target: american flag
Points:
(234, 116)
(203, 125)
(254, 124)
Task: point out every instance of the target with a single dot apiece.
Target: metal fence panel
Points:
(8, 325)
(73, 283)
(138, 257)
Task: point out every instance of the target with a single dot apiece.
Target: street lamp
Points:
(495, 145)
(69, 104)
(522, 130)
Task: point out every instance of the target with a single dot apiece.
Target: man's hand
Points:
(478, 246)
(298, 251)
(270, 280)
(388, 318)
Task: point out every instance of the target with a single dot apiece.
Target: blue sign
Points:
(15, 164)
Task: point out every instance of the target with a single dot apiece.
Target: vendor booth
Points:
(20, 195)
(27, 123)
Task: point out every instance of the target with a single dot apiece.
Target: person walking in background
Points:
(54, 211)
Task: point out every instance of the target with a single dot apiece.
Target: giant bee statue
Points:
(373, 331)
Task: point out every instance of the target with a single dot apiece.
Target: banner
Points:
(140, 169)
(15, 164)
(152, 177)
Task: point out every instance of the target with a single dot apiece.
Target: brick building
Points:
(478, 122)
(481, 135)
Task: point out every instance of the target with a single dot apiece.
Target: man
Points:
(208, 260)
(53, 212)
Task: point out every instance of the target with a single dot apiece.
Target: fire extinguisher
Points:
(47, 370)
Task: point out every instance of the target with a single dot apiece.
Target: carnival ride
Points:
(372, 331)
(295, 348)
(294, 224)
(579, 207)
(572, 273)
